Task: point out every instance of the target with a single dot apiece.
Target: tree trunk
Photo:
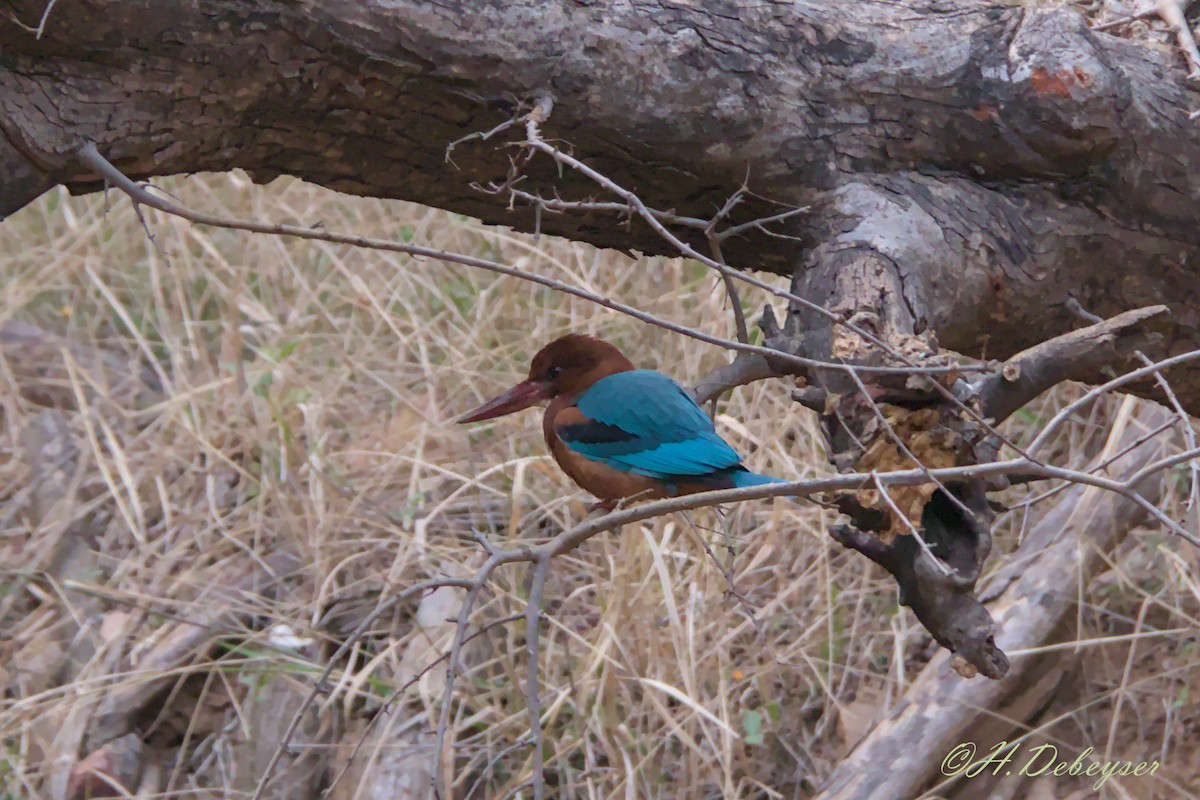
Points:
(994, 161)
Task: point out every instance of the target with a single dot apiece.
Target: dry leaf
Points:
(856, 718)
(113, 625)
(963, 667)
(111, 771)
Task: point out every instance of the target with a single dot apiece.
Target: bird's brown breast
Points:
(603, 481)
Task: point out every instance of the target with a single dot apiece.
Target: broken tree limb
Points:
(1080, 355)
(943, 263)
(1031, 597)
(944, 602)
(883, 261)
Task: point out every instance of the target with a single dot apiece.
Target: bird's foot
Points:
(604, 505)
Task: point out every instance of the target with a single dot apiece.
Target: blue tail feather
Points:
(744, 478)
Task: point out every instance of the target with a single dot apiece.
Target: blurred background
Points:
(220, 451)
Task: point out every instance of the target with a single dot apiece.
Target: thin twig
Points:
(1062, 416)
(481, 135)
(533, 622)
(912, 529)
(735, 300)
(1185, 422)
(895, 437)
(761, 223)
(1094, 468)
(1162, 464)
(138, 194)
(41, 28)
(714, 244)
(684, 248)
(727, 573)
(1171, 12)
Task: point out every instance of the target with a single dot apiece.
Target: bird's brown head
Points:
(566, 366)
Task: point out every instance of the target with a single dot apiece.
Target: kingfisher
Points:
(619, 432)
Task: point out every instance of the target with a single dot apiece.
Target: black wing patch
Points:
(593, 432)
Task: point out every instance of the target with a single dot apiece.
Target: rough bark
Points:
(1003, 159)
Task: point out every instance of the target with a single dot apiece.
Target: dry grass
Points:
(298, 398)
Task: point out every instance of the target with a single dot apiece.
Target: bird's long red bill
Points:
(523, 395)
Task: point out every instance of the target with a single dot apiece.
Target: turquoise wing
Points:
(645, 423)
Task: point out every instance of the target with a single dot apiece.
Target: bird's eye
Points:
(553, 372)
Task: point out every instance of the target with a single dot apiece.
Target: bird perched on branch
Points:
(620, 432)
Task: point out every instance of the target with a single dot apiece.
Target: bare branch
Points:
(912, 529)
(744, 369)
(683, 247)
(904, 448)
(1063, 415)
(91, 156)
(761, 223)
(1077, 355)
(533, 621)
(1185, 424)
(735, 299)
(1094, 468)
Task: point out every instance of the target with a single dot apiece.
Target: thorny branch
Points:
(1186, 428)
(1028, 503)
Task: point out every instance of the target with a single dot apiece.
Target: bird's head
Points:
(566, 366)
